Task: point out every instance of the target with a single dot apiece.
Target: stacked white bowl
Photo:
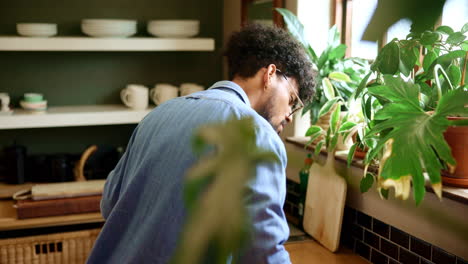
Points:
(173, 28)
(36, 29)
(109, 28)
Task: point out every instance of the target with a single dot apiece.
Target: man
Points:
(143, 197)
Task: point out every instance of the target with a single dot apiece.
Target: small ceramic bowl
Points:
(33, 97)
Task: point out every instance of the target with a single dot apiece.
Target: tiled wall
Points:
(291, 207)
(377, 241)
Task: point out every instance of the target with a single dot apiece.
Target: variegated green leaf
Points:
(348, 125)
(417, 137)
(318, 148)
(313, 130)
(351, 154)
(327, 106)
(328, 89)
(339, 76)
(334, 119)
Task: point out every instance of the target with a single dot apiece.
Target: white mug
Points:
(163, 92)
(135, 96)
(5, 102)
(188, 88)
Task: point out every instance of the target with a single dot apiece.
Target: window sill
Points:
(452, 193)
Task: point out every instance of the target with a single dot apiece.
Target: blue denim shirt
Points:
(143, 196)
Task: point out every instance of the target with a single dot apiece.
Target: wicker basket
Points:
(65, 248)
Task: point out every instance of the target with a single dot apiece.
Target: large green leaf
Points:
(397, 90)
(456, 38)
(313, 130)
(339, 76)
(351, 152)
(445, 60)
(388, 59)
(362, 85)
(445, 30)
(464, 28)
(324, 57)
(220, 203)
(418, 140)
(328, 89)
(454, 74)
(296, 28)
(338, 52)
(464, 45)
(407, 60)
(428, 60)
(334, 119)
(429, 38)
(328, 106)
(366, 183)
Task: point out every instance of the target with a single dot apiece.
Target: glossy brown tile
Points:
(364, 220)
(357, 232)
(440, 256)
(407, 257)
(389, 248)
(378, 258)
(372, 239)
(362, 249)
(399, 237)
(425, 261)
(421, 248)
(380, 228)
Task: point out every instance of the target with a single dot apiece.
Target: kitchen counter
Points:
(310, 251)
(303, 248)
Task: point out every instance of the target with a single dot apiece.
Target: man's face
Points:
(279, 101)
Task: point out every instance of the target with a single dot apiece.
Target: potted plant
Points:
(417, 83)
(337, 76)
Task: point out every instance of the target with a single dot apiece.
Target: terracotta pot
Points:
(457, 138)
(359, 153)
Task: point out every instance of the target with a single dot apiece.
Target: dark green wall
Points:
(77, 78)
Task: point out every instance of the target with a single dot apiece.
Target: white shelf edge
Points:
(14, 43)
(69, 116)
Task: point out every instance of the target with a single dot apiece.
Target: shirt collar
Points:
(234, 87)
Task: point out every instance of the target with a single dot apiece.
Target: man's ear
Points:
(268, 75)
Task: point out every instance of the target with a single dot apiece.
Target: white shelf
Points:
(67, 116)
(12, 43)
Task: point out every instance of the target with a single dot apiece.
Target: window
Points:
(362, 11)
(455, 14)
(356, 15)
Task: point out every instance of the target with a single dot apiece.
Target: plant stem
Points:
(436, 76)
(464, 70)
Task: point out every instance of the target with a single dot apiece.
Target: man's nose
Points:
(289, 118)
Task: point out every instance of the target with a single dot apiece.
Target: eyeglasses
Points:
(298, 104)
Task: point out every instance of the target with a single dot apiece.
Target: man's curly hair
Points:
(257, 46)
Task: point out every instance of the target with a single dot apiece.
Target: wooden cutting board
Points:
(325, 201)
(61, 190)
(67, 189)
